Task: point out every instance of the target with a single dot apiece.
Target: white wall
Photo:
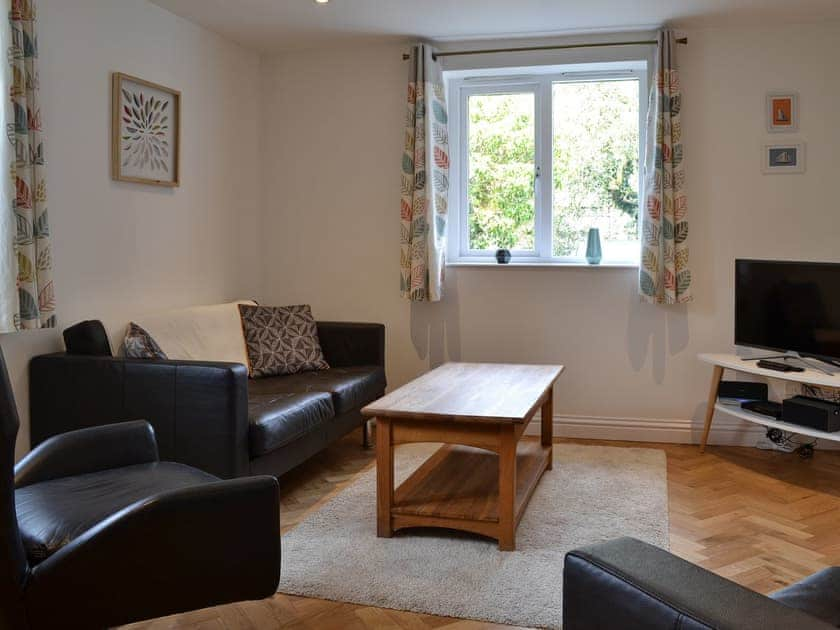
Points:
(316, 136)
(124, 249)
(333, 139)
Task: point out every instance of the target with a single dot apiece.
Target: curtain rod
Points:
(489, 51)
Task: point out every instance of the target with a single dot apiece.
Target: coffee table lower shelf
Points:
(458, 488)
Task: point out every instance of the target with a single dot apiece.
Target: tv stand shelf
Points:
(767, 421)
(733, 362)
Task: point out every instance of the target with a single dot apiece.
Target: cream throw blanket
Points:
(200, 333)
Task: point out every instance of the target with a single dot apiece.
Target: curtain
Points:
(31, 237)
(425, 181)
(8, 259)
(664, 275)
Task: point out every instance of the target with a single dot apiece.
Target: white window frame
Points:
(539, 80)
(512, 86)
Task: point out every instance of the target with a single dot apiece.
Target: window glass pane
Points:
(595, 171)
(501, 171)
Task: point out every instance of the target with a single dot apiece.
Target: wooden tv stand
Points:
(733, 362)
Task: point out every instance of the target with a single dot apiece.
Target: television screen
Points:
(785, 306)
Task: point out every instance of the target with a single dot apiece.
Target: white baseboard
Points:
(725, 431)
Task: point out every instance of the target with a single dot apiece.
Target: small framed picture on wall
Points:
(146, 129)
(783, 158)
(782, 112)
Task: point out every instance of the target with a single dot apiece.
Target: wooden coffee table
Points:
(482, 478)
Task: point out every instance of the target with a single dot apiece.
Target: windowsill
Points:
(537, 264)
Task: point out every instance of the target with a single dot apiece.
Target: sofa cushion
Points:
(199, 333)
(280, 418)
(817, 595)
(139, 344)
(281, 340)
(53, 513)
(351, 387)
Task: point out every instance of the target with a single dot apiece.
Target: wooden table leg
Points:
(384, 478)
(710, 405)
(366, 434)
(547, 431)
(507, 488)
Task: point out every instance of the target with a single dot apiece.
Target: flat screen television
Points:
(788, 306)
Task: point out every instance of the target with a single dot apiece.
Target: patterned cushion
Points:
(140, 345)
(281, 340)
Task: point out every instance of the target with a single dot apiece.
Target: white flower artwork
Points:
(146, 118)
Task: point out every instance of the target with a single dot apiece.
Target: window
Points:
(541, 159)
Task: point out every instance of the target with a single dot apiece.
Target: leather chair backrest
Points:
(87, 337)
(13, 564)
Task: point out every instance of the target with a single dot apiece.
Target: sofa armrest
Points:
(346, 343)
(88, 450)
(181, 550)
(628, 584)
(199, 410)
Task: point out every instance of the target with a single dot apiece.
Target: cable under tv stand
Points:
(811, 376)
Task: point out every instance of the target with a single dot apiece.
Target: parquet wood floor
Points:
(763, 519)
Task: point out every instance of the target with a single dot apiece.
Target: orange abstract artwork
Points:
(783, 112)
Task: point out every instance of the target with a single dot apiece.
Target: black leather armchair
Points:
(627, 584)
(95, 531)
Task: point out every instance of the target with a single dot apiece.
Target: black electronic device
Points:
(810, 412)
(778, 366)
(742, 390)
(764, 407)
(788, 307)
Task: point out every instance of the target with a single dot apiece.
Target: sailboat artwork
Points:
(782, 112)
(787, 158)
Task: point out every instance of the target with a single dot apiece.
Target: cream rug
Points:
(594, 493)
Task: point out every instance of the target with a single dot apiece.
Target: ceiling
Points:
(279, 25)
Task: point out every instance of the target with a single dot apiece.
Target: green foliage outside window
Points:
(501, 185)
(594, 167)
(595, 156)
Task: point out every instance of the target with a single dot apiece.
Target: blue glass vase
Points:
(593, 246)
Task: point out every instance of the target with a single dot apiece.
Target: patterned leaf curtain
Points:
(34, 301)
(425, 181)
(664, 275)
(8, 228)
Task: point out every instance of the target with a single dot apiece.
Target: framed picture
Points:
(782, 112)
(145, 132)
(783, 158)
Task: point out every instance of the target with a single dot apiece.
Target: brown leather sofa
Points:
(210, 415)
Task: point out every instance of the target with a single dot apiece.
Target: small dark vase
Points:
(503, 256)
